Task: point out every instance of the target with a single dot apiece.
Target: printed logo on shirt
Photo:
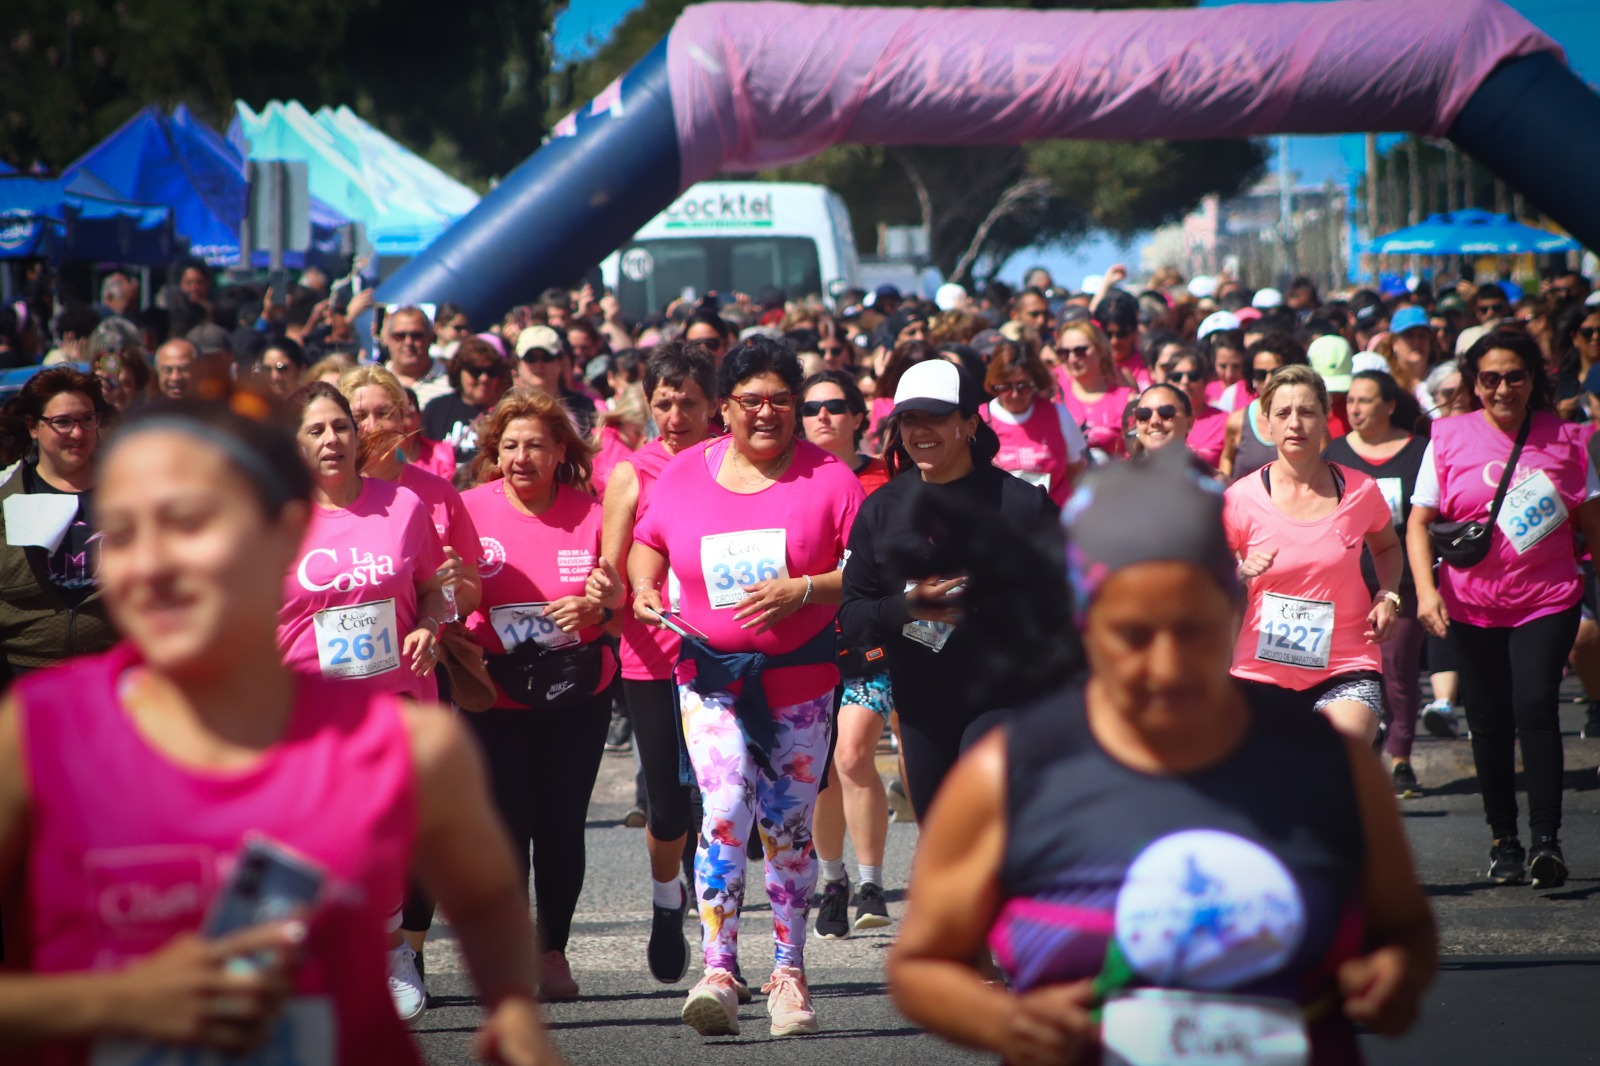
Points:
(492, 557)
(1204, 909)
(574, 564)
(365, 569)
(142, 896)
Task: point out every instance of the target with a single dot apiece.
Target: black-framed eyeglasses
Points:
(1491, 379)
(1167, 412)
(63, 424)
(751, 402)
(813, 408)
(1020, 388)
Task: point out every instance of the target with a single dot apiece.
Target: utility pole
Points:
(1373, 218)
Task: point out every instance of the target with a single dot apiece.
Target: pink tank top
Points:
(128, 848)
(1034, 449)
(647, 652)
(1101, 420)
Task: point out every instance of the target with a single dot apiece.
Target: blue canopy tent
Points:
(181, 162)
(81, 217)
(1470, 232)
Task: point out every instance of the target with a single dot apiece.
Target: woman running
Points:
(935, 431)
(162, 768)
(1510, 618)
(1039, 441)
(833, 416)
(52, 609)
(680, 379)
(544, 736)
(1382, 444)
(754, 526)
(1297, 526)
(1090, 387)
(1156, 860)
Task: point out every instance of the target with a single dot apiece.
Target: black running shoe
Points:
(1546, 866)
(668, 950)
(1405, 781)
(1506, 861)
(1591, 722)
(833, 914)
(1439, 719)
(619, 737)
(871, 913)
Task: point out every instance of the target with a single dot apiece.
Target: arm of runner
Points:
(619, 511)
(1383, 988)
(421, 645)
(1419, 550)
(465, 862)
(1230, 443)
(647, 569)
(769, 602)
(954, 900)
(469, 584)
(1384, 544)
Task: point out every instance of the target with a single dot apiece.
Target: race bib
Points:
(1531, 512)
(1295, 632)
(731, 562)
(518, 623)
(1040, 478)
(929, 634)
(358, 641)
(1155, 1027)
(1393, 495)
(303, 1035)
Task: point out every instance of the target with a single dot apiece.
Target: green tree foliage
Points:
(979, 204)
(464, 84)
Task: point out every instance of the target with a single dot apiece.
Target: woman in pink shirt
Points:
(1310, 634)
(754, 526)
(1091, 389)
(1189, 370)
(620, 433)
(681, 380)
(539, 532)
(1039, 442)
(1512, 617)
(143, 773)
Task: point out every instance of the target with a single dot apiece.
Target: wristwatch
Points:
(606, 615)
(1392, 597)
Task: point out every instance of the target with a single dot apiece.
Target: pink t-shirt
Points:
(128, 848)
(532, 559)
(361, 565)
(1101, 420)
(716, 541)
(648, 653)
(450, 518)
(1207, 432)
(1036, 446)
(436, 457)
(1317, 571)
(613, 450)
(1509, 588)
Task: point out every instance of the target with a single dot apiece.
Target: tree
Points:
(979, 204)
(465, 88)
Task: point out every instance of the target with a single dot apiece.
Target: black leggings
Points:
(542, 768)
(931, 748)
(658, 734)
(1510, 682)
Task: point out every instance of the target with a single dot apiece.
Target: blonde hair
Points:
(335, 364)
(628, 408)
(1294, 374)
(352, 381)
(522, 402)
(1097, 341)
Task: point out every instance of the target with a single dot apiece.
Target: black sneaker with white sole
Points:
(833, 913)
(668, 950)
(1439, 719)
(1507, 862)
(871, 912)
(1547, 868)
(619, 735)
(1405, 781)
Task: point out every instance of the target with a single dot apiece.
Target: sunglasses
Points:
(813, 408)
(1491, 380)
(1185, 375)
(750, 402)
(1166, 412)
(1257, 374)
(1495, 309)
(831, 349)
(484, 371)
(1117, 334)
(539, 355)
(407, 335)
(1589, 333)
(1077, 351)
(1020, 388)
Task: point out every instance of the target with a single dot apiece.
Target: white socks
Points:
(832, 869)
(666, 893)
(871, 875)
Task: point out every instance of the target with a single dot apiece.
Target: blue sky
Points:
(1573, 23)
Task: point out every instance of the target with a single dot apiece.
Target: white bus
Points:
(736, 236)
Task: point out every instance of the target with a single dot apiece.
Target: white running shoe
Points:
(410, 998)
(1439, 719)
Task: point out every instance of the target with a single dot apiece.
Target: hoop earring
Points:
(566, 464)
(972, 439)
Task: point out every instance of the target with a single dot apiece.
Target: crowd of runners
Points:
(300, 646)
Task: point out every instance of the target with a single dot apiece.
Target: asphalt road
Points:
(1518, 983)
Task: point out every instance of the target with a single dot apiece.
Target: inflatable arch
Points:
(741, 86)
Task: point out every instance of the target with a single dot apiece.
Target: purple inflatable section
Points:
(760, 85)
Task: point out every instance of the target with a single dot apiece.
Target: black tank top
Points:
(1240, 878)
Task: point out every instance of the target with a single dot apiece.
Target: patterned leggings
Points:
(738, 787)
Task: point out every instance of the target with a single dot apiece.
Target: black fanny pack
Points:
(1464, 545)
(548, 679)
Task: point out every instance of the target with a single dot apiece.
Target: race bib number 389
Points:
(357, 641)
(1531, 512)
(732, 562)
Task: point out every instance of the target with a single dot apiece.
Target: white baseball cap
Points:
(1215, 321)
(1202, 285)
(950, 296)
(1267, 299)
(1362, 362)
(933, 385)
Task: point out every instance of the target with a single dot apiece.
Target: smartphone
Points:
(269, 883)
(379, 313)
(675, 622)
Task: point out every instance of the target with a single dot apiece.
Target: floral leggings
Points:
(738, 786)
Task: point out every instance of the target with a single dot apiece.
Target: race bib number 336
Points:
(732, 562)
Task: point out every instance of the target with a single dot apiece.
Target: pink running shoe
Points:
(789, 1003)
(712, 1008)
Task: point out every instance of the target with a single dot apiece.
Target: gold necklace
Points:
(783, 465)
